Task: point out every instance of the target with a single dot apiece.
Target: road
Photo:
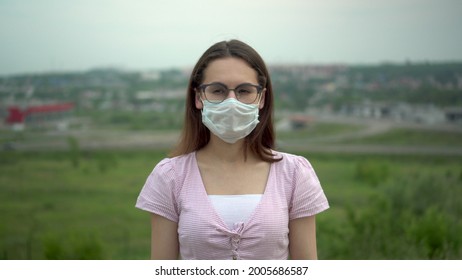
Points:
(94, 139)
(370, 127)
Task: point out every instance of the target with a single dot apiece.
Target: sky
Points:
(77, 35)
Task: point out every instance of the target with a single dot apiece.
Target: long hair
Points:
(196, 135)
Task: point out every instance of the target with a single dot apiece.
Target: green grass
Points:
(319, 130)
(393, 137)
(405, 137)
(52, 208)
(46, 202)
(396, 193)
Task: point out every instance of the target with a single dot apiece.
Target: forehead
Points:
(230, 71)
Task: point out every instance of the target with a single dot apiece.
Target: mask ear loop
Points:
(260, 96)
(200, 98)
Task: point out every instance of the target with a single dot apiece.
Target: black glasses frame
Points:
(203, 86)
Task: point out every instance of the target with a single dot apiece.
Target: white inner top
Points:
(235, 208)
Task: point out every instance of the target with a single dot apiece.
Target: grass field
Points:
(80, 205)
(53, 207)
(60, 200)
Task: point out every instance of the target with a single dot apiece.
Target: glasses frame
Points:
(203, 86)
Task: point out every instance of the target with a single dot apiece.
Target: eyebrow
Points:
(221, 83)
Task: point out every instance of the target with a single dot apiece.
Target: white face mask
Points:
(230, 120)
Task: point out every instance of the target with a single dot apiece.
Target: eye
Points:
(246, 89)
(215, 89)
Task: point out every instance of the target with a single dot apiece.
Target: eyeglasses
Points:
(218, 92)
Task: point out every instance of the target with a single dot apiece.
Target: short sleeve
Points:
(308, 197)
(158, 194)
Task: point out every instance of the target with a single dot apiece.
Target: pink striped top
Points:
(175, 191)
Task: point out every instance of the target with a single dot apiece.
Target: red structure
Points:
(14, 116)
(38, 113)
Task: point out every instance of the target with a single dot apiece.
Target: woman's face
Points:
(231, 72)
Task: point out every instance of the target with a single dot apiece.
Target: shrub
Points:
(413, 219)
(74, 247)
(371, 172)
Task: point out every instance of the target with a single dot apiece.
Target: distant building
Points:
(454, 114)
(300, 121)
(39, 116)
(401, 111)
(293, 122)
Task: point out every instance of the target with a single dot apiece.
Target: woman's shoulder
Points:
(293, 166)
(175, 164)
(177, 159)
(289, 159)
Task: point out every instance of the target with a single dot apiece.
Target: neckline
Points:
(236, 195)
(218, 218)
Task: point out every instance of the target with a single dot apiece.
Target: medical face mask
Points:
(230, 120)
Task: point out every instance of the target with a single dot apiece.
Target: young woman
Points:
(225, 193)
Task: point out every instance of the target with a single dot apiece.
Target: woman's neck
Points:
(232, 153)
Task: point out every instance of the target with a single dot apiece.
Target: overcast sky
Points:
(63, 35)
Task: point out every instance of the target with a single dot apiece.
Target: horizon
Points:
(188, 68)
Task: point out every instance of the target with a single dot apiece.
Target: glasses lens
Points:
(247, 93)
(215, 93)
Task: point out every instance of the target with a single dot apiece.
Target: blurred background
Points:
(92, 97)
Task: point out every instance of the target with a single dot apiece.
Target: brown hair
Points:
(195, 135)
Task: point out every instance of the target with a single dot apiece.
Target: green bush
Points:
(73, 247)
(371, 172)
(414, 218)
